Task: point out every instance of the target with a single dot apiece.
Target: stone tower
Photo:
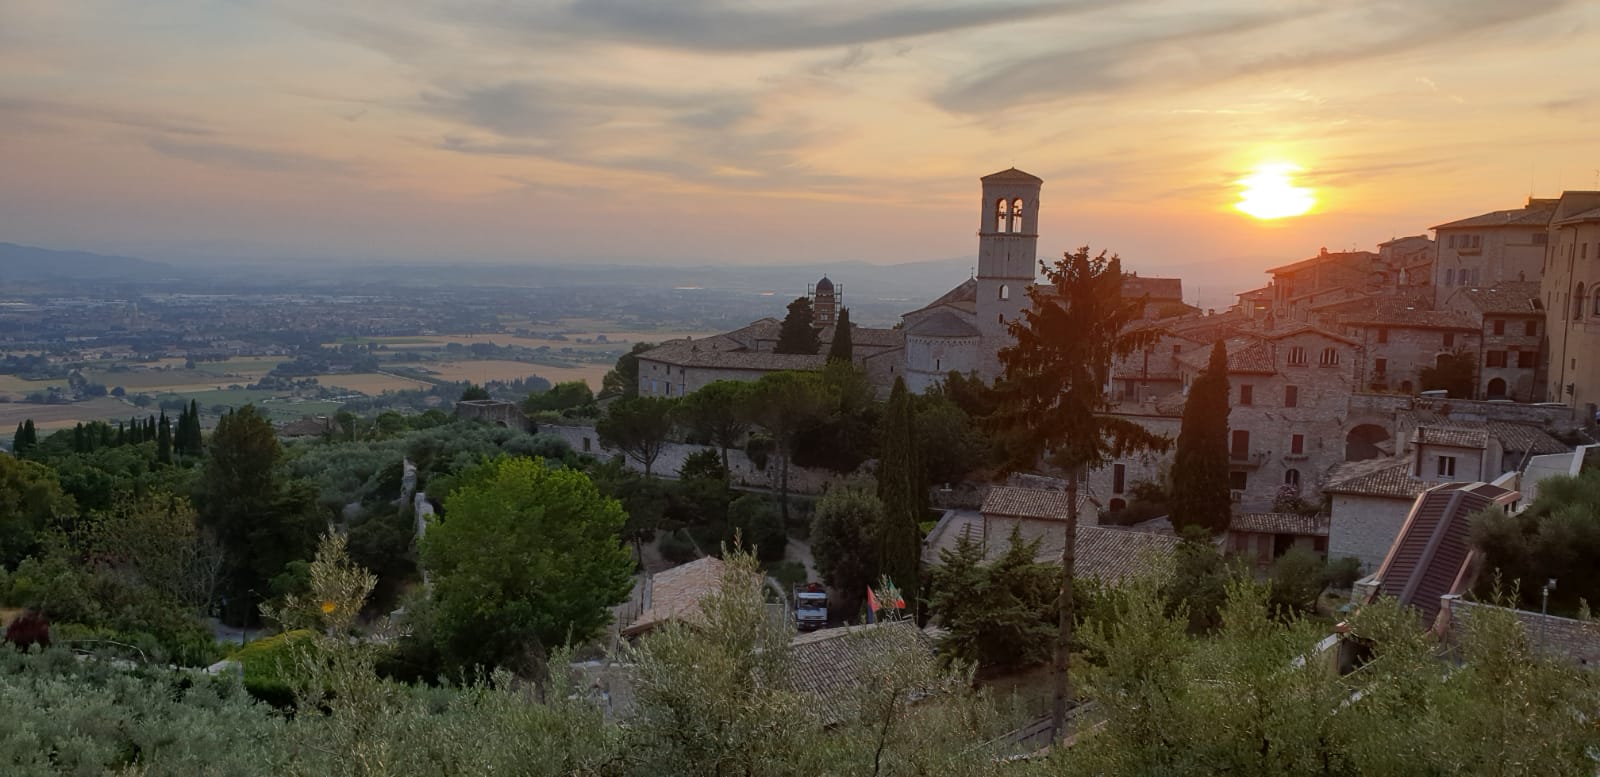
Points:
(1008, 240)
(825, 303)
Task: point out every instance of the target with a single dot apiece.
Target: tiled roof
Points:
(942, 324)
(1359, 257)
(1588, 215)
(676, 593)
(1508, 297)
(963, 297)
(1247, 354)
(1265, 292)
(1453, 436)
(1375, 477)
(1112, 554)
(1398, 314)
(1280, 523)
(1431, 555)
(1012, 174)
(865, 335)
(1290, 330)
(1028, 503)
(694, 353)
(1135, 286)
(1525, 438)
(832, 664)
(1536, 214)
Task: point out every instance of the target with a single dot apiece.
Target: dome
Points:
(824, 284)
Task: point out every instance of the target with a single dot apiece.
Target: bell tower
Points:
(1008, 258)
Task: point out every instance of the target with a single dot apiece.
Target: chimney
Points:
(1324, 251)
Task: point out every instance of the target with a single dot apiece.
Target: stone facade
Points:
(1008, 259)
(1510, 316)
(1505, 245)
(1364, 526)
(1572, 314)
(1564, 639)
(494, 411)
(1398, 341)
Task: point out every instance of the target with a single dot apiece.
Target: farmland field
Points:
(47, 417)
(371, 383)
(17, 388)
(499, 369)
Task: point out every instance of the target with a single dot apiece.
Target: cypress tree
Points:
(122, 436)
(1200, 468)
(79, 439)
(903, 490)
(799, 331)
(19, 441)
(164, 440)
(149, 428)
(841, 349)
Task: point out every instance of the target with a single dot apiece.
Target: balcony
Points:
(1247, 459)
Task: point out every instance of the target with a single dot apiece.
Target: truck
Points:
(810, 602)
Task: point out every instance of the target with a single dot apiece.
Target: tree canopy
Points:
(798, 334)
(842, 348)
(623, 379)
(639, 427)
(1200, 467)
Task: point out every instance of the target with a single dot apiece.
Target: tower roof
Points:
(824, 284)
(1011, 174)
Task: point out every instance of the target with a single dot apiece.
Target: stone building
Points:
(1399, 340)
(1323, 278)
(1368, 503)
(1510, 317)
(1263, 537)
(1571, 286)
(679, 367)
(826, 300)
(1484, 250)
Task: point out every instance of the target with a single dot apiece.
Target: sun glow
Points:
(1270, 193)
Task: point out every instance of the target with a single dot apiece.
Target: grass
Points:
(370, 383)
(51, 417)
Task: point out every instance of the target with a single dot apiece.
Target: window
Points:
(1016, 215)
(1241, 444)
(1380, 367)
(1597, 304)
(1499, 326)
(1383, 335)
(1475, 244)
(1450, 276)
(1297, 444)
(1330, 357)
(1238, 481)
(1494, 359)
(1405, 387)
(1002, 214)
(1005, 292)
(1447, 466)
(1531, 329)
(1452, 241)
(1000, 318)
(586, 444)
(1247, 394)
(1118, 505)
(1297, 355)
(1577, 303)
(1527, 360)
(938, 365)
(1291, 477)
(1449, 339)
(1291, 396)
(1177, 348)
(1541, 238)
(1119, 475)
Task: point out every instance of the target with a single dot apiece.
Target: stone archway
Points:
(1361, 443)
(1497, 388)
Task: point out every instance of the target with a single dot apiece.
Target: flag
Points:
(872, 606)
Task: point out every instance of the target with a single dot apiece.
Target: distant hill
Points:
(27, 263)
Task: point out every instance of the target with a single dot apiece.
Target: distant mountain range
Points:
(28, 263)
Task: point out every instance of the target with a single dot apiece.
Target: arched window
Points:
(1578, 303)
(1002, 215)
(1005, 292)
(1330, 357)
(1016, 215)
(1291, 477)
(1597, 305)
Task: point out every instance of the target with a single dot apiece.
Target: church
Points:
(962, 331)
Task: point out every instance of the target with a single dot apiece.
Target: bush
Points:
(1342, 573)
(29, 629)
(758, 526)
(269, 666)
(759, 448)
(1297, 580)
(788, 573)
(677, 547)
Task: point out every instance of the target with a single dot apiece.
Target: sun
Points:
(1270, 193)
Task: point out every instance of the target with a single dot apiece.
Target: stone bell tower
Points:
(1008, 258)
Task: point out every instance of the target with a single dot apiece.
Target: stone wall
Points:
(742, 471)
(1365, 527)
(1565, 639)
(494, 411)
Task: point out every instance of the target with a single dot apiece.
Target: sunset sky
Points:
(767, 132)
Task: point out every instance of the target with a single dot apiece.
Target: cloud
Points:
(243, 157)
(19, 108)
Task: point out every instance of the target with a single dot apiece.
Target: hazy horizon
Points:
(772, 133)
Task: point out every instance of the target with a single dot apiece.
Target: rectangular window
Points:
(1452, 241)
(1297, 355)
(1450, 277)
(1541, 238)
(1383, 335)
(1447, 466)
(1247, 394)
(1237, 481)
(1291, 396)
(1449, 339)
(1494, 359)
(1527, 360)
(1499, 326)
(1380, 367)
(1297, 444)
(1241, 444)
(1119, 473)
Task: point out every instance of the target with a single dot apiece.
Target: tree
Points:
(844, 541)
(164, 440)
(903, 489)
(996, 614)
(1200, 466)
(1456, 373)
(785, 403)
(264, 520)
(525, 559)
(31, 500)
(623, 379)
(571, 396)
(841, 349)
(638, 427)
(1558, 536)
(798, 334)
(26, 439)
(951, 447)
(718, 412)
(1052, 407)
(474, 392)
(157, 542)
(842, 436)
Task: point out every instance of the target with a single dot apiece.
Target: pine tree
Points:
(799, 331)
(1200, 467)
(164, 440)
(903, 490)
(841, 349)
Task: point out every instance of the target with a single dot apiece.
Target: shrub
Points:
(269, 666)
(29, 629)
(1297, 580)
(677, 547)
(758, 526)
(1342, 573)
(759, 449)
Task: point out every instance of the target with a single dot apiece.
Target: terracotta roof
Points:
(1525, 438)
(1536, 214)
(1280, 523)
(1398, 314)
(1113, 554)
(942, 324)
(1433, 554)
(1247, 354)
(1375, 477)
(1158, 525)
(695, 353)
(1588, 215)
(1012, 174)
(864, 335)
(1290, 330)
(964, 296)
(1038, 503)
(1134, 286)
(1453, 436)
(676, 593)
(1507, 297)
(1331, 256)
(832, 664)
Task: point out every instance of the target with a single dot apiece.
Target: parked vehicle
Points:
(810, 602)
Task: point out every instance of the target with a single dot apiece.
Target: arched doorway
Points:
(1362, 442)
(1497, 389)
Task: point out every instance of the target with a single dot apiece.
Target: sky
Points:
(780, 131)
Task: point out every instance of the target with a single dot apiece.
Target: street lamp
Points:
(1544, 609)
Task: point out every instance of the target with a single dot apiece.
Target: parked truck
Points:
(810, 602)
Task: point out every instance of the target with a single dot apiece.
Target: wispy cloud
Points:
(244, 157)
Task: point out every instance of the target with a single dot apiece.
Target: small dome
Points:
(824, 284)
